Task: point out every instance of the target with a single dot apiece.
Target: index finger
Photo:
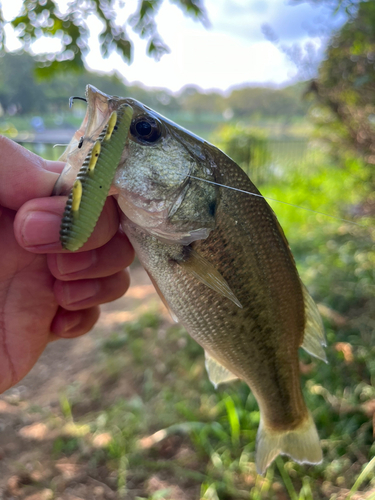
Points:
(37, 225)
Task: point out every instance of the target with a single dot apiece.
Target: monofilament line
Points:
(273, 199)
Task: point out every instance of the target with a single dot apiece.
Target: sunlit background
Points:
(234, 49)
(127, 411)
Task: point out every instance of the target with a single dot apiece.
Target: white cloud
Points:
(11, 9)
(209, 58)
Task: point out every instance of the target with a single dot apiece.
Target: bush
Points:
(248, 147)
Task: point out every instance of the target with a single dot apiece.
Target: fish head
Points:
(152, 183)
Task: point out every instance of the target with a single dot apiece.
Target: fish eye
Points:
(145, 129)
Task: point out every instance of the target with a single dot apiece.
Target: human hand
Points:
(46, 292)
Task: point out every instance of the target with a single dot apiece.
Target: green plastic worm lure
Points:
(91, 187)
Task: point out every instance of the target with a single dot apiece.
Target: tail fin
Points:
(301, 444)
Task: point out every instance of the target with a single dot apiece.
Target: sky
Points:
(235, 50)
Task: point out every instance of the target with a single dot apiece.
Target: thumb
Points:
(24, 175)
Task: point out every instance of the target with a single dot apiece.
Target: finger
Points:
(71, 324)
(104, 261)
(37, 225)
(24, 175)
(55, 167)
(82, 294)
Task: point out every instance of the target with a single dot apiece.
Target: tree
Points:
(345, 86)
(269, 102)
(248, 147)
(17, 88)
(44, 18)
(20, 90)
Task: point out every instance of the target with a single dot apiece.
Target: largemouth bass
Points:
(218, 259)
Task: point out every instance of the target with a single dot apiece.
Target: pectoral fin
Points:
(217, 373)
(206, 273)
(314, 339)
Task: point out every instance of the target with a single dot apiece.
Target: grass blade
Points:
(233, 420)
(362, 477)
(286, 479)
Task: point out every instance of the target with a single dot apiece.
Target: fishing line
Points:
(278, 201)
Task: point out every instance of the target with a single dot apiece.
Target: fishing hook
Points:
(71, 99)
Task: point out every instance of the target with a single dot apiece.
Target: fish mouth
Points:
(99, 109)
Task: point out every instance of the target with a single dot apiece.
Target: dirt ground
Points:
(27, 471)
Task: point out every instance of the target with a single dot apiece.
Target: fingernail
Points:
(71, 322)
(74, 293)
(72, 263)
(41, 228)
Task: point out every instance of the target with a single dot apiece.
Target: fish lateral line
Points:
(274, 199)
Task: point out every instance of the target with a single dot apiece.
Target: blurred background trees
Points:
(345, 87)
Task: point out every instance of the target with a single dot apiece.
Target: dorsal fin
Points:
(314, 338)
(206, 273)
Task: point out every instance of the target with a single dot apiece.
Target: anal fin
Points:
(206, 273)
(217, 373)
(314, 339)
